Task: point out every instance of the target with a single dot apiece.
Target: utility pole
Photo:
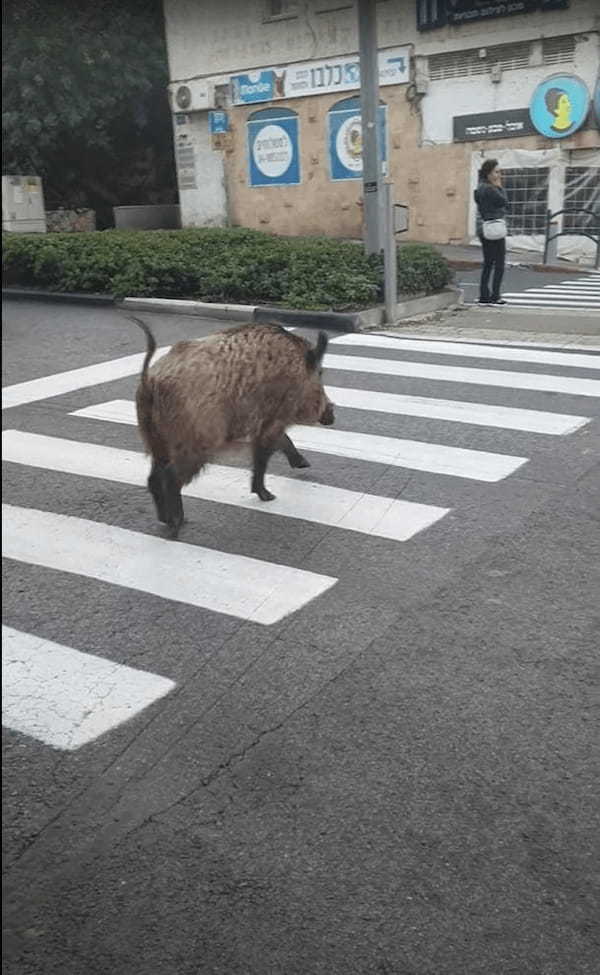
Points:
(369, 107)
(378, 196)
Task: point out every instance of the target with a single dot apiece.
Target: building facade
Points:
(267, 118)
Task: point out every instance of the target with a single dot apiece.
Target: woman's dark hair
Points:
(487, 168)
(552, 98)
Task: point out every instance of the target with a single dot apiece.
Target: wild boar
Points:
(247, 383)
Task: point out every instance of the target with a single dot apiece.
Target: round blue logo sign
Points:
(559, 106)
(597, 103)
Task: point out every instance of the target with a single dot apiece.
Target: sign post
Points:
(369, 103)
(390, 270)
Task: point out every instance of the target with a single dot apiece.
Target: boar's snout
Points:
(327, 416)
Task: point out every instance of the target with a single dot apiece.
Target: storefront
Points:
(542, 179)
(280, 147)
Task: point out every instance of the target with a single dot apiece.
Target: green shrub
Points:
(210, 264)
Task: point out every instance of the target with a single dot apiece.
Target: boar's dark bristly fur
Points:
(247, 383)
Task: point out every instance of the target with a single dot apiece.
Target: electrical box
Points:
(400, 218)
(23, 205)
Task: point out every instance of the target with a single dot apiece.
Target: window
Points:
(527, 192)
(460, 64)
(430, 14)
(280, 9)
(582, 189)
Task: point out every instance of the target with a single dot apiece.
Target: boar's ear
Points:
(314, 357)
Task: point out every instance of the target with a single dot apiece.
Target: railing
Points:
(552, 233)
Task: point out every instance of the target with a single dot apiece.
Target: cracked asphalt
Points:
(401, 778)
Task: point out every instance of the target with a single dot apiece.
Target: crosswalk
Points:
(574, 292)
(401, 404)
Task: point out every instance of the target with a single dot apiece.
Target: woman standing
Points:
(491, 229)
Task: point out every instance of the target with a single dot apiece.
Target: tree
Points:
(85, 103)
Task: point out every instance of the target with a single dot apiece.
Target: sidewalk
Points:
(469, 256)
(514, 325)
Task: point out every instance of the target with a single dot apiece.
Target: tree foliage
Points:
(84, 101)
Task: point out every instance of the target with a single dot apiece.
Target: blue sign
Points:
(597, 104)
(256, 87)
(218, 122)
(559, 106)
(273, 156)
(345, 139)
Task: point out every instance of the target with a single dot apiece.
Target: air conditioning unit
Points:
(23, 205)
(196, 95)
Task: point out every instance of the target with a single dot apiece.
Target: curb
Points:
(413, 307)
(335, 321)
(466, 265)
(63, 297)
(339, 321)
(180, 306)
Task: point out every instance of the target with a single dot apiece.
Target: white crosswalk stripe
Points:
(235, 585)
(384, 517)
(469, 350)
(83, 695)
(576, 292)
(413, 454)
(77, 696)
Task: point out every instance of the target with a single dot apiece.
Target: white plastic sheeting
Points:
(573, 248)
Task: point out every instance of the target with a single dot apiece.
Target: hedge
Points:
(231, 265)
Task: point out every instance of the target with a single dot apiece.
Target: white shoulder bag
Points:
(494, 229)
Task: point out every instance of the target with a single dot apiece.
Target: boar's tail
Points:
(150, 346)
(144, 396)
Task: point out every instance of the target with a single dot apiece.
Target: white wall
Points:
(206, 204)
(206, 38)
(478, 93)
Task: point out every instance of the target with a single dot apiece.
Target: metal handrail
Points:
(572, 233)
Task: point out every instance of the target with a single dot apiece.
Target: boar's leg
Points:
(156, 488)
(174, 504)
(295, 458)
(262, 455)
(164, 487)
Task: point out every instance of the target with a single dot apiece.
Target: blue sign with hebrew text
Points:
(346, 142)
(273, 155)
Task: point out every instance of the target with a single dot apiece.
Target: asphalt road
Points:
(399, 775)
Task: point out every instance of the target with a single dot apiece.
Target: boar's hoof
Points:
(259, 488)
(299, 461)
(264, 495)
(174, 527)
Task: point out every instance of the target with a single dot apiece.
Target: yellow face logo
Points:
(558, 104)
(353, 140)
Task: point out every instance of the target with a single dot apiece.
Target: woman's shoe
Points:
(484, 301)
(498, 301)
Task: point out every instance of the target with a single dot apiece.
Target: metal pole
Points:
(390, 270)
(369, 105)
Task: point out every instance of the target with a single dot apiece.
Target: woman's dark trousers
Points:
(494, 254)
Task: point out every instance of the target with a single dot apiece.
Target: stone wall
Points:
(70, 221)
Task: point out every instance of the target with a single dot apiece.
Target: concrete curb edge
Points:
(468, 265)
(66, 297)
(340, 321)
